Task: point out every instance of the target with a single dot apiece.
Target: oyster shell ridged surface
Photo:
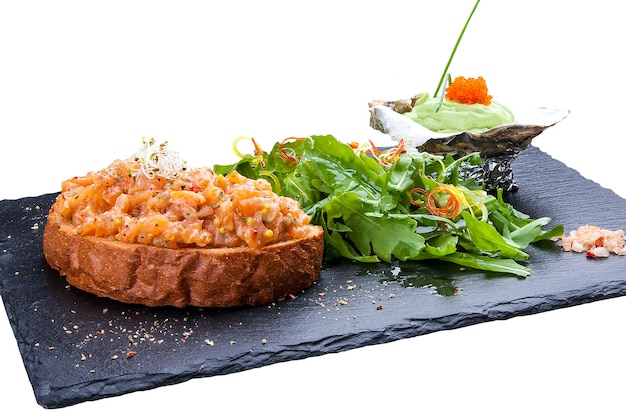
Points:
(497, 146)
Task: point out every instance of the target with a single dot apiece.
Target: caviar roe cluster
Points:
(468, 91)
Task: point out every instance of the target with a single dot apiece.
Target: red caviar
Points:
(468, 91)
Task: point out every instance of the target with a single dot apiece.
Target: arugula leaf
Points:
(486, 263)
(441, 245)
(359, 236)
(486, 239)
(368, 215)
(406, 173)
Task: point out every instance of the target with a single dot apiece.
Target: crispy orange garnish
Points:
(289, 156)
(373, 149)
(390, 157)
(429, 200)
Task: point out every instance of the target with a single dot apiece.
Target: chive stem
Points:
(445, 71)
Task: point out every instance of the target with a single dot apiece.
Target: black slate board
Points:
(77, 347)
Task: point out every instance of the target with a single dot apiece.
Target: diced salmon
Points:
(198, 208)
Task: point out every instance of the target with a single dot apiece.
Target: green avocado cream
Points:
(457, 117)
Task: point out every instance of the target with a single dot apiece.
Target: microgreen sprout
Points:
(154, 159)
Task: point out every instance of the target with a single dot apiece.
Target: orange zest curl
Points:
(391, 156)
(430, 200)
(468, 91)
(452, 207)
(373, 149)
(387, 157)
(286, 153)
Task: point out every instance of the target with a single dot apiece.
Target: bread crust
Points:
(156, 276)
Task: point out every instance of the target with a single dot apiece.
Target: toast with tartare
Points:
(147, 230)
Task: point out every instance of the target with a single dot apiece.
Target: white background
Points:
(82, 82)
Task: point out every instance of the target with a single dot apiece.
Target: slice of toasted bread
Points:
(156, 276)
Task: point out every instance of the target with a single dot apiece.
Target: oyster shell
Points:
(497, 146)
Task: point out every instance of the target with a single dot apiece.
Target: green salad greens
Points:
(406, 205)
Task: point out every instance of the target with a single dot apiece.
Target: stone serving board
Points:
(77, 347)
